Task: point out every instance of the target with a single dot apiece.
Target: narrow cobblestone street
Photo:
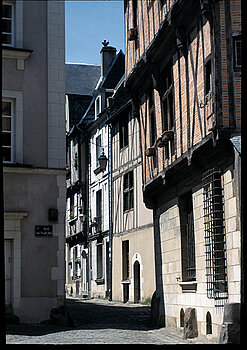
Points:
(100, 322)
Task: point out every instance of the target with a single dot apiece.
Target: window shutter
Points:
(68, 209)
(75, 206)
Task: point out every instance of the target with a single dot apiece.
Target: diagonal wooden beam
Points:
(195, 86)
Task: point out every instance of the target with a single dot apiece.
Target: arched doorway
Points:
(137, 282)
(208, 323)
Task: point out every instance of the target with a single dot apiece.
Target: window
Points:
(135, 22)
(97, 106)
(98, 150)
(134, 13)
(128, 198)
(167, 100)
(238, 52)
(73, 207)
(8, 24)
(125, 259)
(99, 260)
(167, 108)
(8, 131)
(123, 132)
(68, 153)
(208, 77)
(125, 270)
(76, 267)
(187, 237)
(99, 210)
(214, 235)
(152, 117)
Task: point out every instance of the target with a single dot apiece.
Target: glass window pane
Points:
(130, 179)
(6, 139)
(7, 38)
(6, 124)
(238, 53)
(6, 28)
(6, 108)
(126, 201)
(6, 154)
(126, 182)
(7, 11)
(131, 199)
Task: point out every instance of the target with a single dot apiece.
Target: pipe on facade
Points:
(110, 204)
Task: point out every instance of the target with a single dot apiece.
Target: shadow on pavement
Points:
(91, 315)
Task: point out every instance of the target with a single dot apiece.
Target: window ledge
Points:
(128, 211)
(125, 282)
(100, 280)
(15, 53)
(188, 287)
(124, 148)
(97, 171)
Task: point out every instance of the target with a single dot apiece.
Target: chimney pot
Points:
(108, 54)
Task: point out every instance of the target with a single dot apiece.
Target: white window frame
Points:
(12, 24)
(97, 106)
(237, 40)
(98, 149)
(12, 131)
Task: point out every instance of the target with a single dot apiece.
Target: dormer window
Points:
(97, 106)
(8, 24)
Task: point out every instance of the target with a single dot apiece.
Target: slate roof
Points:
(236, 141)
(81, 79)
(115, 72)
(110, 81)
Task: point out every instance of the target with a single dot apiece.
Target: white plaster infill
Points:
(20, 55)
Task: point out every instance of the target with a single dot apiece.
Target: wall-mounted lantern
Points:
(102, 161)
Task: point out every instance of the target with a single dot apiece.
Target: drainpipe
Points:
(87, 170)
(110, 205)
(87, 203)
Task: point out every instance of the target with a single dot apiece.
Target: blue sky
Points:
(87, 24)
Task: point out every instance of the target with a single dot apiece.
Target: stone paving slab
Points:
(101, 322)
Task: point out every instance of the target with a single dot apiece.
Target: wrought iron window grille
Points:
(214, 236)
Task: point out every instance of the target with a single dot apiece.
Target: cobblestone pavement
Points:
(98, 321)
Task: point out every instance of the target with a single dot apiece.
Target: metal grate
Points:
(214, 230)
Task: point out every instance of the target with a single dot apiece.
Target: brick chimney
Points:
(108, 54)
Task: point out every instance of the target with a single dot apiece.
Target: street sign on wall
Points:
(43, 230)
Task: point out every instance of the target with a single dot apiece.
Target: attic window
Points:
(97, 106)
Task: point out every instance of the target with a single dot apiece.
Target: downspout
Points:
(87, 157)
(110, 205)
(86, 205)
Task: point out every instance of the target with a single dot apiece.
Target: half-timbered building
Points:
(133, 276)
(183, 70)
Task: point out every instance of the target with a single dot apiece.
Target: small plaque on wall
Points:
(43, 230)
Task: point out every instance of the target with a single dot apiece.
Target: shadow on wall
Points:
(158, 302)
